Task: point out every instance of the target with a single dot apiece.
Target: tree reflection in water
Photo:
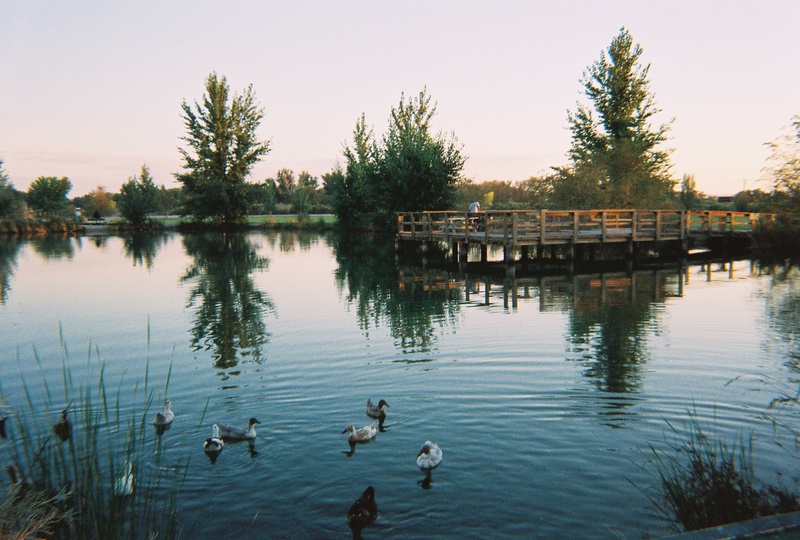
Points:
(142, 247)
(783, 307)
(54, 247)
(610, 319)
(367, 274)
(9, 250)
(228, 308)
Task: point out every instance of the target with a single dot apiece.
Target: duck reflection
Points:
(427, 482)
(229, 308)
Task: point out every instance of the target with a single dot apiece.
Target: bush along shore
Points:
(27, 228)
(78, 468)
(38, 228)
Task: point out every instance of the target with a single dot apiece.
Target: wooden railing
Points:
(524, 227)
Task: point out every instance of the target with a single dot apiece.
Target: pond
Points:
(546, 395)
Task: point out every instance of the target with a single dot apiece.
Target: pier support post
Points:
(484, 253)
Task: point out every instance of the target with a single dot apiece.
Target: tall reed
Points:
(706, 483)
(66, 488)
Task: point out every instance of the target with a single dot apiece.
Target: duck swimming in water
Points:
(376, 411)
(364, 434)
(429, 456)
(167, 416)
(362, 512)
(214, 444)
(237, 433)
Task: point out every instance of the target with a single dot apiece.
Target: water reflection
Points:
(141, 247)
(414, 312)
(9, 250)
(229, 309)
(783, 307)
(54, 247)
(610, 315)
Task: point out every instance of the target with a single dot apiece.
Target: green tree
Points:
(284, 185)
(411, 169)
(418, 170)
(138, 197)
(222, 149)
(616, 156)
(265, 197)
(98, 200)
(352, 194)
(10, 198)
(48, 195)
(783, 163)
(689, 197)
(311, 186)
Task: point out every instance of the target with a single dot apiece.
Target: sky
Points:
(91, 90)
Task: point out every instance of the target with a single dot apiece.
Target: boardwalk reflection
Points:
(228, 308)
(609, 314)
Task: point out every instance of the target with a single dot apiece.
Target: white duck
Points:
(429, 456)
(364, 434)
(167, 416)
(376, 411)
(214, 444)
(124, 486)
(233, 432)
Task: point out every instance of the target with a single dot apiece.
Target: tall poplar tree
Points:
(222, 149)
(615, 158)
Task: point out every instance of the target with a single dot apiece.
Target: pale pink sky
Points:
(92, 89)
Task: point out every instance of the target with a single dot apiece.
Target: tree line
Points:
(616, 159)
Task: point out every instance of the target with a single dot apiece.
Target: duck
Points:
(124, 485)
(62, 428)
(214, 444)
(167, 416)
(363, 511)
(376, 411)
(237, 433)
(429, 457)
(364, 434)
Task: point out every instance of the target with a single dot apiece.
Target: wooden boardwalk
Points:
(523, 229)
(533, 227)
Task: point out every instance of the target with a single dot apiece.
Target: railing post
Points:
(542, 225)
(658, 225)
(603, 221)
(575, 225)
(634, 225)
(514, 229)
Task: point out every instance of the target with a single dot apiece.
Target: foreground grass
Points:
(707, 483)
(63, 480)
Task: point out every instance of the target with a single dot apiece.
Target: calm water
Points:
(545, 395)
